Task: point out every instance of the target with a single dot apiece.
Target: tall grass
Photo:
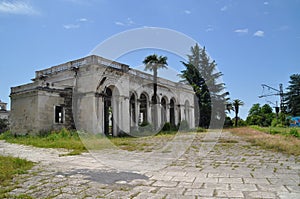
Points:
(79, 143)
(287, 131)
(55, 139)
(280, 142)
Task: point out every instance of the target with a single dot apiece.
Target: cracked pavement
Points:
(232, 169)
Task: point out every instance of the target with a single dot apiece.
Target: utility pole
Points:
(278, 92)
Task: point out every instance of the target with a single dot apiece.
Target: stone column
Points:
(192, 119)
(124, 119)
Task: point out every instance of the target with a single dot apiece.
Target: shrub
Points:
(146, 127)
(274, 131)
(242, 123)
(294, 132)
(200, 129)
(166, 127)
(145, 123)
(228, 122)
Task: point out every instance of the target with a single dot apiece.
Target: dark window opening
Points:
(108, 113)
(132, 109)
(143, 109)
(59, 114)
(172, 112)
(163, 111)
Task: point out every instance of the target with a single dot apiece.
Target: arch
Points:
(111, 110)
(172, 112)
(108, 115)
(132, 109)
(143, 114)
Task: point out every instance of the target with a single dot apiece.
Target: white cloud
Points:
(266, 3)
(118, 23)
(259, 33)
(241, 30)
(75, 25)
(128, 22)
(17, 7)
(224, 8)
(83, 20)
(71, 26)
(187, 12)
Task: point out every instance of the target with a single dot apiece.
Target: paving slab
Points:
(229, 170)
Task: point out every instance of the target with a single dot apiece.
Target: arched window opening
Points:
(163, 111)
(108, 114)
(132, 110)
(172, 112)
(143, 109)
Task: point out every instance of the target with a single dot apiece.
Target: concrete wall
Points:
(24, 113)
(45, 110)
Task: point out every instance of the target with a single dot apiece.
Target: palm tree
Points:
(153, 63)
(236, 105)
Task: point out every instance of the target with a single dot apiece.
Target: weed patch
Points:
(279, 142)
(9, 167)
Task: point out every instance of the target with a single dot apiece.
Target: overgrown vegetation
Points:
(77, 144)
(279, 142)
(287, 131)
(262, 116)
(54, 139)
(9, 167)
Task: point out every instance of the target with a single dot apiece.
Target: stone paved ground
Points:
(232, 169)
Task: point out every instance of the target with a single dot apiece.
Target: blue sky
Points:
(253, 42)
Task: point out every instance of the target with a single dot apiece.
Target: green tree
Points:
(236, 106)
(261, 116)
(292, 97)
(200, 72)
(228, 122)
(255, 109)
(266, 109)
(267, 115)
(154, 63)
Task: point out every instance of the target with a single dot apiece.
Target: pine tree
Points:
(200, 72)
(292, 97)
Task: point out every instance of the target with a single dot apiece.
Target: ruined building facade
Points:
(97, 95)
(4, 113)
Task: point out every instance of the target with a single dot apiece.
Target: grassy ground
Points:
(77, 144)
(9, 167)
(62, 139)
(293, 131)
(278, 139)
(280, 142)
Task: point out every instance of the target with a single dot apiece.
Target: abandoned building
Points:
(4, 113)
(97, 95)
